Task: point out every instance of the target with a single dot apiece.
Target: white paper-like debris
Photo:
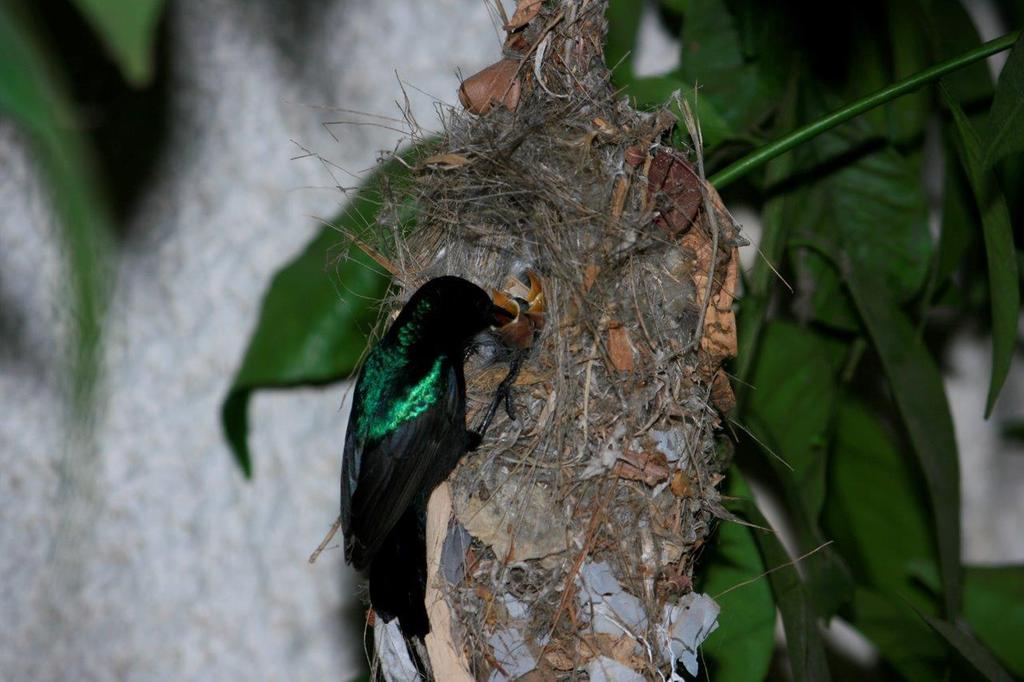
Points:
(516, 609)
(598, 580)
(510, 650)
(668, 443)
(687, 623)
(615, 611)
(610, 453)
(395, 662)
(604, 669)
(453, 553)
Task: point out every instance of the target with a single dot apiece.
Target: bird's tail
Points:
(398, 574)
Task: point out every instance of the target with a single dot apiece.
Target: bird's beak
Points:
(535, 296)
(519, 311)
(504, 308)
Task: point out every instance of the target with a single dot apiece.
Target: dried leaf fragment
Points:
(526, 11)
(620, 349)
(559, 660)
(634, 155)
(680, 485)
(495, 84)
(648, 467)
(674, 187)
(444, 161)
(590, 276)
(722, 395)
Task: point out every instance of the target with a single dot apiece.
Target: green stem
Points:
(887, 94)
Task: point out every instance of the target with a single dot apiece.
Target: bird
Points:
(406, 433)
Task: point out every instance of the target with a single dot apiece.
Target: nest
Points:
(575, 527)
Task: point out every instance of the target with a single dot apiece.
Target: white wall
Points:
(160, 562)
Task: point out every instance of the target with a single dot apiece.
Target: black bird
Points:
(406, 433)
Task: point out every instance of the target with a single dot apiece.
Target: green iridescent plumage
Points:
(380, 410)
(417, 399)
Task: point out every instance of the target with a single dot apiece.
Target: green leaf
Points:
(740, 650)
(919, 394)
(903, 640)
(869, 188)
(797, 374)
(951, 32)
(128, 27)
(799, 617)
(309, 331)
(980, 658)
(1006, 121)
(907, 115)
(713, 61)
(1003, 281)
(959, 229)
(1013, 430)
(37, 100)
(994, 607)
(875, 509)
(623, 24)
(776, 217)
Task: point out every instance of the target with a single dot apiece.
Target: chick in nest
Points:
(525, 310)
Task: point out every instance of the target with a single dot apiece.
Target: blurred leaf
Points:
(951, 31)
(1013, 431)
(310, 332)
(875, 508)
(823, 297)
(799, 616)
(656, 91)
(128, 28)
(980, 658)
(790, 410)
(713, 61)
(958, 220)
(919, 394)
(623, 24)
(994, 607)
(908, 114)
(793, 401)
(741, 648)
(903, 640)
(862, 186)
(36, 99)
(1004, 287)
(1006, 121)
(776, 217)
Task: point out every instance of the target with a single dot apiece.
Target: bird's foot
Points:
(503, 394)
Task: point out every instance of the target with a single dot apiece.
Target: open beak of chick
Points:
(519, 311)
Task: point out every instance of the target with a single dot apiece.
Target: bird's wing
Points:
(391, 472)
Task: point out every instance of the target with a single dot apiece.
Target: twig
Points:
(693, 128)
(327, 538)
(772, 570)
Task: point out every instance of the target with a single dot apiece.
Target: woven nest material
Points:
(575, 527)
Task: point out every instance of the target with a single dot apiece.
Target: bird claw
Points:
(502, 394)
(510, 407)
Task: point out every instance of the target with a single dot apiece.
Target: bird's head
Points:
(453, 310)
